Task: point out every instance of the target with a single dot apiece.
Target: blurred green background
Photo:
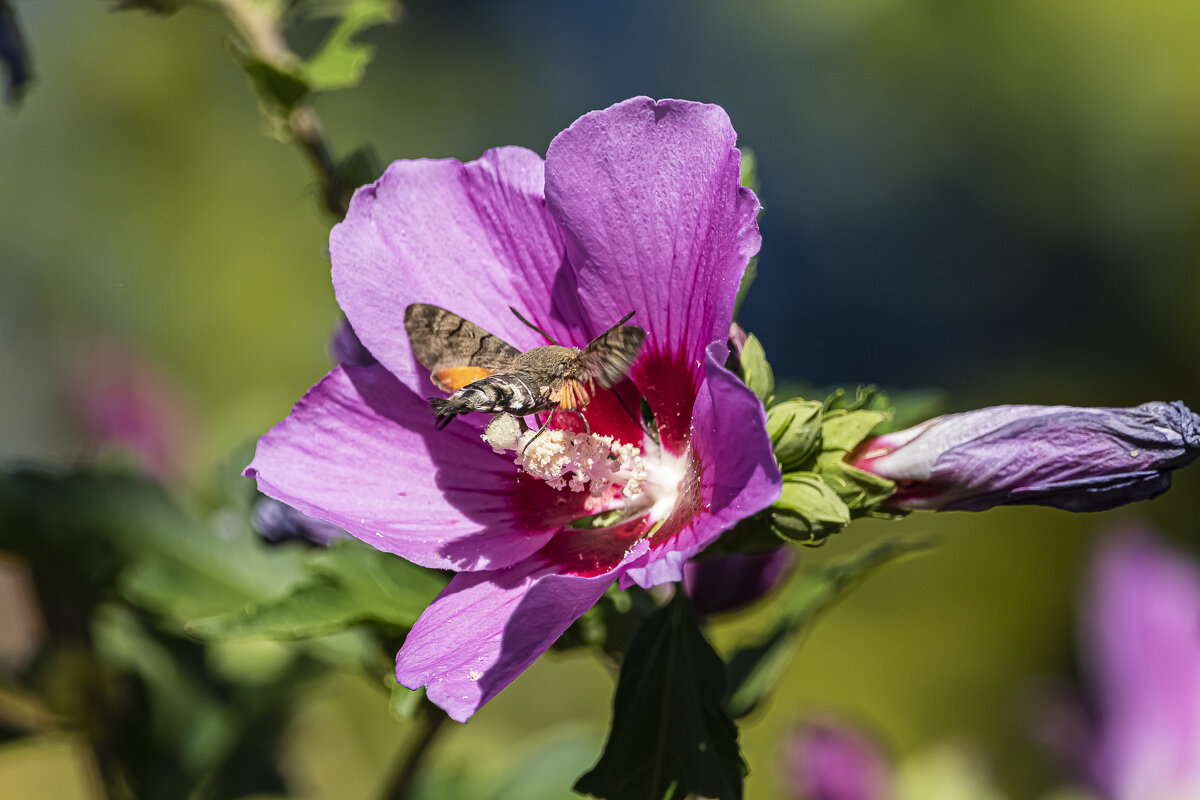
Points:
(999, 200)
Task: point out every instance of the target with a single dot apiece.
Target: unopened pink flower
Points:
(635, 208)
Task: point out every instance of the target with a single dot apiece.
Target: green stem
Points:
(400, 786)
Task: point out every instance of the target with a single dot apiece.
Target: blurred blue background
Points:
(999, 200)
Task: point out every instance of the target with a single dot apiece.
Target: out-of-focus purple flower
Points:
(278, 522)
(730, 582)
(1077, 459)
(1141, 648)
(635, 208)
(124, 403)
(831, 761)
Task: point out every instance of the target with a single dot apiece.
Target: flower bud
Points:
(730, 582)
(1077, 459)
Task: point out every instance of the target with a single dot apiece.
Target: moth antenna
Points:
(529, 324)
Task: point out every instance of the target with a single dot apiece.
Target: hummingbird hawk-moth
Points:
(485, 373)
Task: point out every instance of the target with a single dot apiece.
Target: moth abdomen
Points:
(508, 393)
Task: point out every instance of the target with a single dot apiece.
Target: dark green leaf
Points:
(348, 583)
(670, 737)
(755, 370)
(795, 430)
(753, 671)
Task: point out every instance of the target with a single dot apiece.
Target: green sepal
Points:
(755, 371)
(845, 430)
(795, 430)
(807, 510)
(754, 670)
(859, 490)
(670, 736)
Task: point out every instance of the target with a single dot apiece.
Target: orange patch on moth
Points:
(572, 395)
(451, 379)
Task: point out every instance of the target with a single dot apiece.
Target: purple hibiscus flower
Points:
(1141, 648)
(831, 760)
(636, 208)
(1078, 459)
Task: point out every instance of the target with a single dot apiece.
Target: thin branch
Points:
(260, 26)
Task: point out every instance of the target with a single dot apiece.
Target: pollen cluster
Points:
(566, 460)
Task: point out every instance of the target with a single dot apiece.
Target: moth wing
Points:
(456, 352)
(608, 357)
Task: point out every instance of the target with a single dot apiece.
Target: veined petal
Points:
(360, 450)
(473, 238)
(486, 628)
(656, 223)
(732, 474)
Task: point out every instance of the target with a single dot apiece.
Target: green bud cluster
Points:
(821, 493)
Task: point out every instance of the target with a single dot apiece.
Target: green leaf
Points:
(755, 371)
(341, 61)
(754, 671)
(170, 560)
(808, 510)
(349, 583)
(795, 430)
(670, 737)
(544, 769)
(846, 430)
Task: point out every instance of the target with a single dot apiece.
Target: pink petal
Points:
(656, 223)
(486, 628)
(360, 451)
(732, 474)
(473, 238)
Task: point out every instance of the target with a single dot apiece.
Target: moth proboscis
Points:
(485, 373)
